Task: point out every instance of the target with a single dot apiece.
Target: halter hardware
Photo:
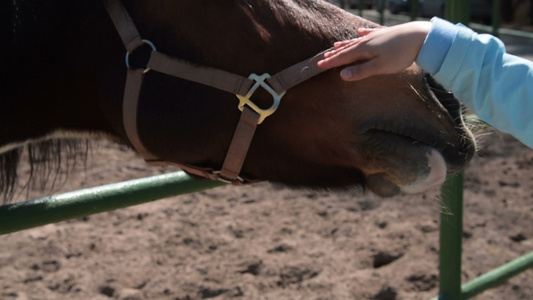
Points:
(245, 100)
(143, 42)
(242, 87)
(236, 181)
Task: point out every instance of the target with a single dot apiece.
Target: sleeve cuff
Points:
(436, 45)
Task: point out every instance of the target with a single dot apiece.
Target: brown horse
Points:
(63, 75)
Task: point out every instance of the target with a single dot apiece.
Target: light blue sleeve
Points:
(496, 85)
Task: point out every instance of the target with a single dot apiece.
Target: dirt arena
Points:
(270, 242)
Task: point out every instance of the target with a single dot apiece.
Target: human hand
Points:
(378, 51)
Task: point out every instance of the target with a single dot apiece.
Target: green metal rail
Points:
(496, 276)
(51, 209)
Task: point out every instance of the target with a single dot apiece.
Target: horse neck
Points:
(243, 36)
(79, 61)
(50, 85)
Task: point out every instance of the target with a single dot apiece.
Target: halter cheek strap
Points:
(242, 87)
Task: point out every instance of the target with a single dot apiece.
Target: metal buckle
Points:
(219, 176)
(145, 42)
(245, 100)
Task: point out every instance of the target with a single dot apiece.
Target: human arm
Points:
(497, 86)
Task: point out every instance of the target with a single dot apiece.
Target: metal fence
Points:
(451, 223)
(52, 209)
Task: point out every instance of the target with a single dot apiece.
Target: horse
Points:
(64, 75)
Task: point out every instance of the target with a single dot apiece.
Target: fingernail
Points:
(346, 74)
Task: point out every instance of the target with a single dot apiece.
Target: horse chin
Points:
(428, 177)
(404, 156)
(427, 173)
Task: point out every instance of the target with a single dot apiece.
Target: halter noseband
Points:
(242, 87)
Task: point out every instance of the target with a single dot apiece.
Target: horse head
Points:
(390, 133)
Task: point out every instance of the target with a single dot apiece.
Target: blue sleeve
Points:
(496, 85)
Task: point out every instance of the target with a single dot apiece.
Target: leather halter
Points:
(242, 87)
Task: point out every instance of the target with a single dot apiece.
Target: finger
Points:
(325, 64)
(332, 62)
(365, 31)
(361, 71)
(346, 56)
(330, 53)
(342, 44)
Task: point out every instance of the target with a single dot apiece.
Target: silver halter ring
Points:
(144, 42)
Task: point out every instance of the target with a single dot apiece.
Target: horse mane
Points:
(30, 24)
(48, 165)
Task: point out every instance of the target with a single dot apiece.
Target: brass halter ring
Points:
(245, 100)
(144, 42)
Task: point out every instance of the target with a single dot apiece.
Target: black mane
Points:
(27, 28)
(49, 165)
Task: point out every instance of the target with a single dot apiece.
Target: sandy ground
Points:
(269, 242)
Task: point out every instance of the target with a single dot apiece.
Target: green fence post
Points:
(381, 10)
(414, 9)
(495, 17)
(451, 227)
(451, 233)
(458, 11)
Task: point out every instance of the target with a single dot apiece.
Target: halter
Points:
(242, 87)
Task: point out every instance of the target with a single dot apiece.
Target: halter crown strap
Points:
(219, 79)
(297, 73)
(241, 86)
(123, 23)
